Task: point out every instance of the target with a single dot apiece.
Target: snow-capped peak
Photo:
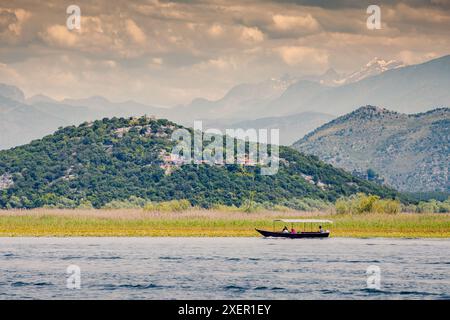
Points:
(383, 64)
(372, 68)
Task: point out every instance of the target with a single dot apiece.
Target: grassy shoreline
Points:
(209, 223)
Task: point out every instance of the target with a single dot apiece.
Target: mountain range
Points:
(410, 152)
(372, 68)
(408, 89)
(279, 97)
(290, 127)
(23, 120)
(390, 84)
(293, 104)
(115, 159)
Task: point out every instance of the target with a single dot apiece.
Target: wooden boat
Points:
(294, 235)
(298, 235)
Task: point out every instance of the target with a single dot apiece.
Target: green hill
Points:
(410, 152)
(114, 159)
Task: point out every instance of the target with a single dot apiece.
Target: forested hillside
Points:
(115, 159)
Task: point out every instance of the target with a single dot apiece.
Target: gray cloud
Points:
(352, 4)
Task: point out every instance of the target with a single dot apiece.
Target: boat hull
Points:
(301, 235)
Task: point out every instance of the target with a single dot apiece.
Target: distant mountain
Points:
(374, 67)
(67, 113)
(409, 89)
(329, 78)
(12, 92)
(101, 107)
(21, 123)
(296, 99)
(23, 120)
(410, 152)
(291, 127)
(115, 159)
(40, 98)
(239, 103)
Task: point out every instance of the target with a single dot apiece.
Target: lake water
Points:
(223, 268)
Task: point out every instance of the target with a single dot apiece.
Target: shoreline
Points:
(70, 237)
(211, 223)
(26, 236)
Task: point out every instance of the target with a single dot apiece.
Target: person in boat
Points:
(285, 230)
(320, 229)
(293, 231)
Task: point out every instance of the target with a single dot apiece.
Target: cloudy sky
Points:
(169, 52)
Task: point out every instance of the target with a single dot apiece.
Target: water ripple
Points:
(222, 268)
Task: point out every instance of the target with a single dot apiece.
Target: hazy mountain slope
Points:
(412, 152)
(118, 158)
(277, 97)
(329, 78)
(25, 120)
(21, 123)
(291, 127)
(243, 101)
(12, 92)
(70, 114)
(408, 89)
(297, 99)
(40, 98)
(100, 107)
(372, 68)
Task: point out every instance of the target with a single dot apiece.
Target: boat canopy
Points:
(303, 221)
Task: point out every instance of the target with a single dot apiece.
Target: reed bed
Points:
(133, 214)
(211, 223)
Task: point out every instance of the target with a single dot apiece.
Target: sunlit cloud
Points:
(135, 32)
(298, 55)
(290, 23)
(251, 35)
(11, 23)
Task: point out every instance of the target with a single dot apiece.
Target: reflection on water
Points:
(223, 268)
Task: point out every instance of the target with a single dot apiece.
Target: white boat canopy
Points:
(303, 221)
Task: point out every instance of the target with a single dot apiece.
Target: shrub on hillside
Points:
(132, 203)
(342, 206)
(387, 206)
(431, 206)
(434, 206)
(444, 207)
(85, 205)
(168, 206)
(362, 203)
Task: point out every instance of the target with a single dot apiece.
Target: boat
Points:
(298, 235)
